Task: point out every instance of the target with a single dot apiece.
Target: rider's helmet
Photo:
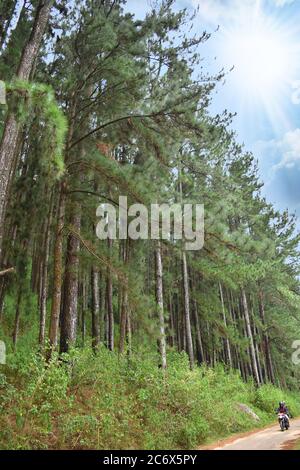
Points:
(281, 403)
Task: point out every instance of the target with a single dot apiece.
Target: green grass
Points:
(108, 402)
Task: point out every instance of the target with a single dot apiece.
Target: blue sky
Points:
(261, 39)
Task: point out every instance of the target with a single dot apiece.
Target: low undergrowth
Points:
(104, 401)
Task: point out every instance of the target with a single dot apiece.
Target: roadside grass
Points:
(105, 401)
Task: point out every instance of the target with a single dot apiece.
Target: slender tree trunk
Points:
(123, 300)
(227, 343)
(12, 127)
(188, 329)
(102, 307)
(266, 341)
(199, 343)
(84, 307)
(6, 16)
(17, 320)
(95, 308)
(70, 305)
(160, 305)
(58, 267)
(109, 300)
(129, 334)
(171, 322)
(250, 338)
(44, 277)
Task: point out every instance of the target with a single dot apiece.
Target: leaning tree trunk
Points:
(250, 338)
(12, 127)
(160, 306)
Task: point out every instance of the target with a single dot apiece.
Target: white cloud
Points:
(286, 151)
(290, 147)
(278, 154)
(220, 11)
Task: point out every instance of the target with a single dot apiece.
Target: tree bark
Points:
(123, 300)
(187, 318)
(227, 343)
(266, 340)
(44, 277)
(70, 305)
(58, 267)
(160, 306)
(109, 305)
(95, 308)
(10, 136)
(7, 10)
(17, 320)
(199, 343)
(250, 338)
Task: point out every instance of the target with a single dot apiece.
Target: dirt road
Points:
(268, 439)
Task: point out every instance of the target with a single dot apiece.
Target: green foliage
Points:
(36, 101)
(85, 401)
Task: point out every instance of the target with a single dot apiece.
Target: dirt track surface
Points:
(271, 438)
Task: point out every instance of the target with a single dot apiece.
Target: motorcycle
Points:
(283, 421)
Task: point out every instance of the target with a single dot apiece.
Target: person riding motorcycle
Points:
(284, 410)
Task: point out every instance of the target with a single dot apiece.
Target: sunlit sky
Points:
(261, 39)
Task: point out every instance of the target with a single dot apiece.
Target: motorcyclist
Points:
(284, 409)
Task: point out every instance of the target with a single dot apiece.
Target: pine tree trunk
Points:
(129, 333)
(250, 338)
(102, 307)
(123, 300)
(160, 306)
(84, 307)
(109, 306)
(228, 351)
(266, 341)
(187, 317)
(17, 320)
(199, 343)
(69, 315)
(44, 277)
(95, 308)
(11, 132)
(7, 11)
(57, 268)
(172, 339)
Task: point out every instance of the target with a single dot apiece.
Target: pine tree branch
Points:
(6, 271)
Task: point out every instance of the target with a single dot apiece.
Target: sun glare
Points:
(261, 61)
(265, 56)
